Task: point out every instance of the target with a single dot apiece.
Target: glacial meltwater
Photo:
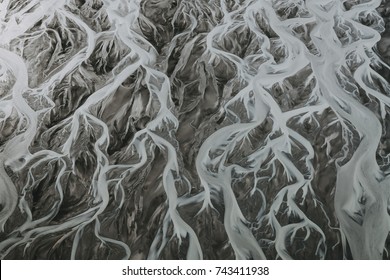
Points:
(194, 129)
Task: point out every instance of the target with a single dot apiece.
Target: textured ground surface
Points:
(173, 129)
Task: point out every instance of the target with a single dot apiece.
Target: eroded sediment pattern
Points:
(174, 129)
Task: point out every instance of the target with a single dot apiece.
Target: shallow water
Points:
(194, 129)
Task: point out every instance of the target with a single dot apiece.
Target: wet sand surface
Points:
(194, 129)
